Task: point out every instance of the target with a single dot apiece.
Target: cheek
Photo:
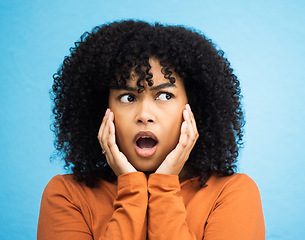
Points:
(174, 114)
(120, 129)
(172, 126)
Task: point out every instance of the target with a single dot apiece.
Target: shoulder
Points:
(69, 188)
(234, 180)
(61, 186)
(61, 179)
(238, 188)
(235, 208)
(62, 182)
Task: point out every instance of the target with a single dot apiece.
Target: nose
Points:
(145, 113)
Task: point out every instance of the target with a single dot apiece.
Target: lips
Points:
(145, 144)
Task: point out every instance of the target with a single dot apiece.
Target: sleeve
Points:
(166, 210)
(61, 217)
(129, 220)
(237, 213)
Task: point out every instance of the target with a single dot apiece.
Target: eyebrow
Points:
(163, 85)
(158, 87)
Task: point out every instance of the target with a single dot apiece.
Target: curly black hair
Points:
(103, 59)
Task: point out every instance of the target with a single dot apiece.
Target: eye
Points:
(126, 98)
(165, 96)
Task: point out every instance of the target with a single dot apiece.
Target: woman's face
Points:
(148, 124)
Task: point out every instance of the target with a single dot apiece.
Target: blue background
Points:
(264, 41)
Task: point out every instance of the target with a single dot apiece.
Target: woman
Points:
(157, 169)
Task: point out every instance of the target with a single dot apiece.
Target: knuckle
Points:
(184, 144)
(193, 137)
(99, 133)
(104, 138)
(111, 144)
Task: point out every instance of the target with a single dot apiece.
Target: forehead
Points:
(157, 76)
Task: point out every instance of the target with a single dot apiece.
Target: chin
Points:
(147, 168)
(146, 164)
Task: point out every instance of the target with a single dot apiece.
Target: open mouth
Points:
(146, 144)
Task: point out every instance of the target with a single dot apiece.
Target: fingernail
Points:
(188, 107)
(107, 112)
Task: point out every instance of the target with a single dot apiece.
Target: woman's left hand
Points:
(176, 159)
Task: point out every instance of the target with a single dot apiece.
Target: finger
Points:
(178, 152)
(191, 116)
(188, 107)
(183, 136)
(110, 128)
(105, 141)
(101, 129)
(190, 129)
(191, 136)
(174, 162)
(194, 130)
(111, 141)
(119, 159)
(188, 144)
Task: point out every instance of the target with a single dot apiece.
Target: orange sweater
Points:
(155, 208)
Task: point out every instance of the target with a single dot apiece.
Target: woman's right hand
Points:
(115, 158)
